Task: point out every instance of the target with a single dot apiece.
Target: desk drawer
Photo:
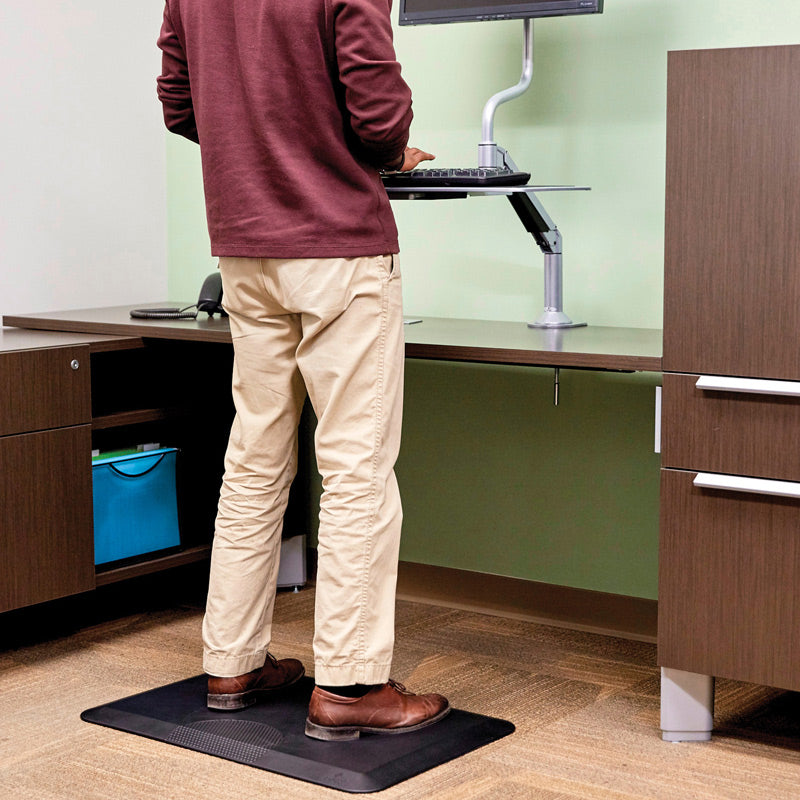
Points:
(46, 543)
(746, 431)
(46, 388)
(729, 568)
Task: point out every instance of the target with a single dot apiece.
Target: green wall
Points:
(497, 479)
(494, 477)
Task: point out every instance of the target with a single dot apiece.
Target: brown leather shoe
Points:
(388, 708)
(231, 694)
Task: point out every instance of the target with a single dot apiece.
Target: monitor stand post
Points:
(528, 207)
(553, 315)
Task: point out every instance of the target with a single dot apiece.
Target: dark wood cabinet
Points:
(732, 432)
(46, 541)
(64, 395)
(44, 388)
(729, 563)
(732, 235)
(730, 505)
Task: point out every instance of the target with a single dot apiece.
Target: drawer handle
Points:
(720, 383)
(736, 483)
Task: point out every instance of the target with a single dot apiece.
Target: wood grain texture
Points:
(481, 341)
(732, 245)
(190, 555)
(21, 339)
(729, 566)
(729, 432)
(39, 389)
(46, 535)
(499, 342)
(116, 320)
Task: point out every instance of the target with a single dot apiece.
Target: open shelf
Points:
(191, 555)
(137, 417)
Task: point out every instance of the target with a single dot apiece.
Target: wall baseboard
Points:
(560, 606)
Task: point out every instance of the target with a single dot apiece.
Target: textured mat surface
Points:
(270, 736)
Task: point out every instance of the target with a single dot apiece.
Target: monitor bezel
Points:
(524, 9)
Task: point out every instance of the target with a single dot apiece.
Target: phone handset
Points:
(210, 301)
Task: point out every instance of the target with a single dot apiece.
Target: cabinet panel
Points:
(731, 432)
(728, 572)
(732, 239)
(41, 389)
(46, 537)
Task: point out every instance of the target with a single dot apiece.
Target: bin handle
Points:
(137, 474)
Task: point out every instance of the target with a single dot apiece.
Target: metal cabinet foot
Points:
(687, 706)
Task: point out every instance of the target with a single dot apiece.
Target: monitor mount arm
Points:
(489, 153)
(527, 205)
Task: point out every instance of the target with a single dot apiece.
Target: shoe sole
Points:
(236, 701)
(328, 733)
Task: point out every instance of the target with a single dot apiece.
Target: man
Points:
(297, 105)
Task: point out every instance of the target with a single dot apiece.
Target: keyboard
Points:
(471, 176)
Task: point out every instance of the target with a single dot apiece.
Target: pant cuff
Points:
(222, 666)
(326, 675)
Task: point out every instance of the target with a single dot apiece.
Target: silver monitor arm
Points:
(528, 207)
(489, 153)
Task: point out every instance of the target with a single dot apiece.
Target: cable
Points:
(165, 313)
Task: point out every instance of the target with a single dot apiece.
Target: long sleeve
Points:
(173, 87)
(377, 98)
(296, 104)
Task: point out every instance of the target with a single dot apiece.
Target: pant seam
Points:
(362, 622)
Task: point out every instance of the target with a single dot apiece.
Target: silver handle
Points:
(75, 364)
(737, 483)
(720, 383)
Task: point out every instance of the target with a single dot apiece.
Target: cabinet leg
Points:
(687, 706)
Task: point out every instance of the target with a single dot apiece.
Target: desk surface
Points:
(482, 341)
(12, 339)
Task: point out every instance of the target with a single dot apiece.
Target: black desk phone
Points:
(210, 301)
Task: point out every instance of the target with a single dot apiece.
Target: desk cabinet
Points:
(46, 540)
(57, 404)
(729, 562)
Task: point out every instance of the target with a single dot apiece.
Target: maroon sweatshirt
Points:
(296, 104)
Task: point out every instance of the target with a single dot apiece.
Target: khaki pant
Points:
(333, 327)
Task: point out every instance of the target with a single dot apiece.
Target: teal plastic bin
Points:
(135, 505)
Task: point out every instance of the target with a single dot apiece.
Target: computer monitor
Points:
(420, 12)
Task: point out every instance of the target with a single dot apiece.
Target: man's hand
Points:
(413, 156)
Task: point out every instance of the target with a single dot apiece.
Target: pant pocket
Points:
(390, 263)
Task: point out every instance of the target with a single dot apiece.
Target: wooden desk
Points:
(480, 341)
(163, 380)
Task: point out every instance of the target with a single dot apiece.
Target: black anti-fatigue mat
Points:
(271, 737)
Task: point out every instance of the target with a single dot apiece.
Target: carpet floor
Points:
(585, 707)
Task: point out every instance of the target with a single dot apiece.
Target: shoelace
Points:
(273, 660)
